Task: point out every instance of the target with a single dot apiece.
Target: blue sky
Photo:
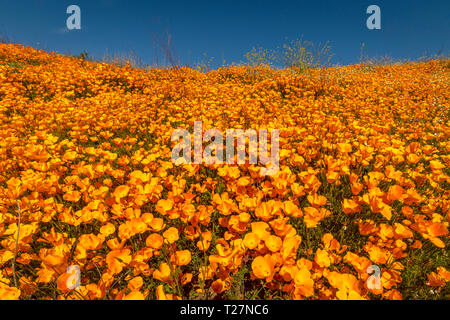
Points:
(229, 29)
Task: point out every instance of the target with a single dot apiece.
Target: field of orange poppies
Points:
(359, 208)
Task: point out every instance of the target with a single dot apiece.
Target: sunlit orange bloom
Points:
(9, 293)
(332, 176)
(416, 245)
(273, 243)
(267, 210)
(171, 235)
(291, 209)
(114, 244)
(312, 216)
(436, 165)
(329, 242)
(346, 284)
(392, 295)
(413, 158)
(303, 282)
(90, 241)
(349, 294)
(67, 281)
(163, 274)
(107, 229)
(290, 246)
(377, 254)
(297, 190)
(183, 257)
(356, 187)
(350, 206)
(402, 231)
(263, 267)
(322, 258)
(45, 275)
(137, 226)
(164, 205)
(62, 281)
(157, 224)
(444, 273)
(135, 283)
(205, 241)
(437, 242)
(186, 278)
(244, 217)
(224, 204)
(121, 192)
(52, 258)
(243, 181)
(395, 193)
(134, 295)
(261, 229)
(5, 256)
(438, 279)
(251, 240)
(344, 147)
(317, 200)
(161, 295)
(220, 285)
(407, 211)
(436, 229)
(72, 196)
(377, 205)
(118, 259)
(412, 197)
(154, 241)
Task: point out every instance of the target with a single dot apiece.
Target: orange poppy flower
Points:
(316, 200)
(171, 235)
(135, 283)
(9, 293)
(395, 193)
(183, 257)
(118, 259)
(134, 295)
(263, 267)
(322, 258)
(205, 241)
(107, 229)
(154, 241)
(273, 243)
(72, 196)
(163, 273)
(251, 240)
(303, 283)
(121, 192)
(164, 205)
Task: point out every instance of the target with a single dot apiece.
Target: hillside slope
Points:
(85, 157)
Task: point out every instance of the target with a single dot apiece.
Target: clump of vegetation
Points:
(297, 55)
(259, 56)
(123, 59)
(204, 65)
(302, 55)
(5, 39)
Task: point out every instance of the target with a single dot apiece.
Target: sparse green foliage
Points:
(302, 55)
(298, 55)
(122, 59)
(259, 56)
(4, 38)
(84, 56)
(204, 65)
